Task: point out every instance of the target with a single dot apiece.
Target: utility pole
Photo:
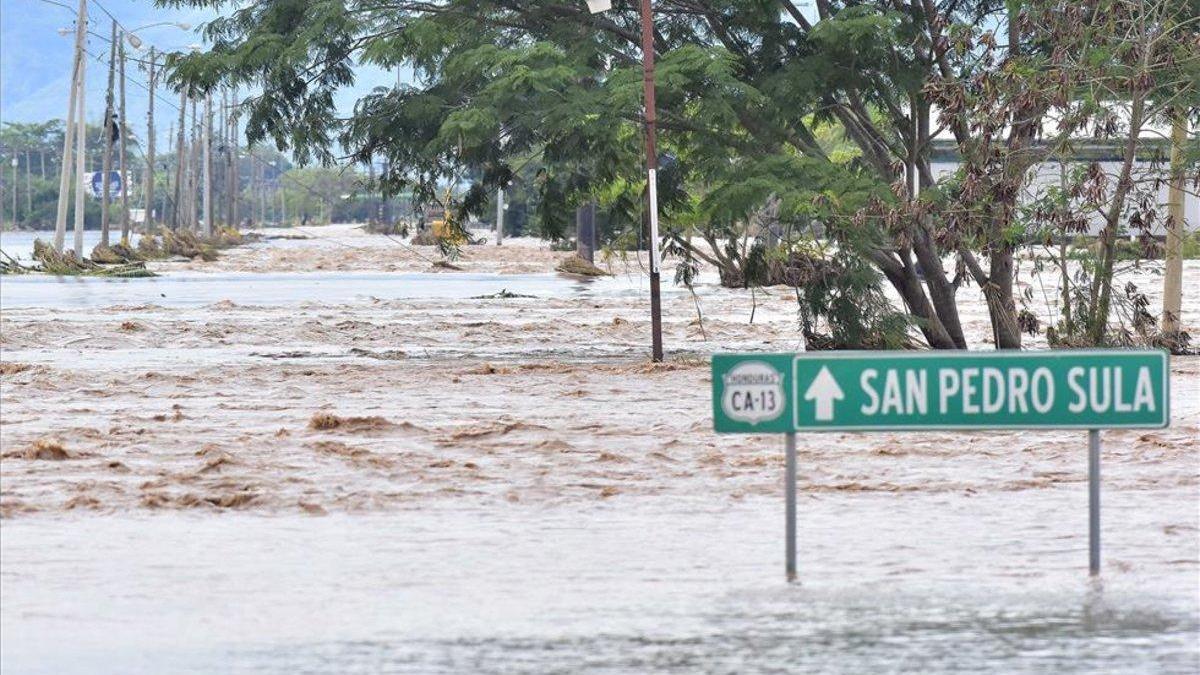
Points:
(64, 180)
(193, 170)
(236, 160)
(230, 160)
(1173, 281)
(28, 187)
(261, 187)
(651, 178)
(207, 151)
(647, 17)
(109, 126)
(499, 215)
(124, 151)
(15, 163)
(81, 132)
(176, 220)
(149, 190)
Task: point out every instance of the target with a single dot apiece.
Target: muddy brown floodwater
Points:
(318, 392)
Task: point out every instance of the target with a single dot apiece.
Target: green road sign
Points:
(862, 391)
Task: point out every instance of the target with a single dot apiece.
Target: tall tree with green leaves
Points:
(757, 101)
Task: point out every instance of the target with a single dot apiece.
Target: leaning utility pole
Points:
(206, 140)
(81, 133)
(109, 126)
(1173, 280)
(149, 190)
(64, 180)
(124, 151)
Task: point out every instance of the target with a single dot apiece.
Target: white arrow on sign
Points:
(825, 390)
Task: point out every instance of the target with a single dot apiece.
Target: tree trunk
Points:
(999, 293)
(1173, 280)
(1102, 283)
(904, 278)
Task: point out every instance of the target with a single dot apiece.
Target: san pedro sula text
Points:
(1012, 390)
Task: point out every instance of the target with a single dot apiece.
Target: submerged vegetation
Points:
(123, 261)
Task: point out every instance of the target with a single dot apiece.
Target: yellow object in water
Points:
(443, 229)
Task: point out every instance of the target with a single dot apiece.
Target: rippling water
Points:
(543, 513)
(183, 289)
(925, 583)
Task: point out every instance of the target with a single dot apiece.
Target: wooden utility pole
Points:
(106, 188)
(124, 152)
(1173, 280)
(651, 178)
(176, 213)
(64, 180)
(149, 190)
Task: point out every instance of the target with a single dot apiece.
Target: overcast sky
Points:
(35, 61)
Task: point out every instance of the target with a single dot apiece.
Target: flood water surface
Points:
(924, 583)
(296, 459)
(189, 289)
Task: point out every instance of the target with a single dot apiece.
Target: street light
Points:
(136, 42)
(595, 6)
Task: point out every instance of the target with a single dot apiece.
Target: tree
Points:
(757, 101)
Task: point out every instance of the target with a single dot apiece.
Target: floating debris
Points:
(504, 294)
(576, 265)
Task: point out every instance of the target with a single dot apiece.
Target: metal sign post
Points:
(913, 391)
(789, 491)
(1094, 502)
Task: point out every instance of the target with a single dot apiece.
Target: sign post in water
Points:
(914, 391)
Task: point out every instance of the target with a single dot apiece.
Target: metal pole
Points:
(499, 215)
(1094, 502)
(651, 178)
(790, 496)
